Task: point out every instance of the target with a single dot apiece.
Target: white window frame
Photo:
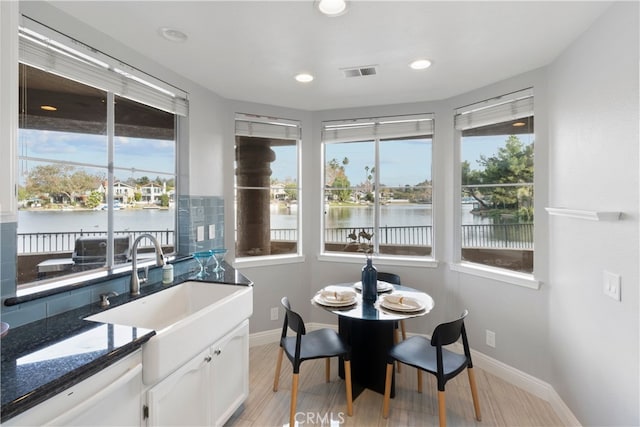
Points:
(375, 129)
(502, 108)
(257, 125)
(44, 48)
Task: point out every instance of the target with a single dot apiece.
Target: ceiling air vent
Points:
(369, 70)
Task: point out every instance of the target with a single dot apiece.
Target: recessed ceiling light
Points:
(304, 77)
(332, 7)
(48, 108)
(420, 64)
(173, 35)
(519, 124)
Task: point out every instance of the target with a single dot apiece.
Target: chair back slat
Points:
(389, 278)
(448, 333)
(293, 319)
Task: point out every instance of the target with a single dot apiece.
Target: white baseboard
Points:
(501, 370)
(526, 382)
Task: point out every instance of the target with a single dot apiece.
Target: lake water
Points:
(159, 219)
(66, 221)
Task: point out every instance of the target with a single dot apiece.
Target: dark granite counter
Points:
(43, 358)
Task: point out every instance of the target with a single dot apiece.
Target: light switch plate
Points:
(212, 231)
(200, 233)
(611, 285)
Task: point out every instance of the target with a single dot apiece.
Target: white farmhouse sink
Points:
(187, 319)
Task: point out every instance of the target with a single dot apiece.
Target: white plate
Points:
(408, 304)
(382, 286)
(318, 298)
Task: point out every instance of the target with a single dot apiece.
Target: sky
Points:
(403, 162)
(147, 154)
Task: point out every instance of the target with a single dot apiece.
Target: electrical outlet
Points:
(274, 313)
(491, 338)
(212, 231)
(199, 233)
(611, 285)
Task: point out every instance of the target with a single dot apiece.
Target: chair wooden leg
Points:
(294, 400)
(396, 340)
(347, 379)
(278, 366)
(387, 391)
(327, 369)
(419, 380)
(474, 393)
(442, 409)
(404, 331)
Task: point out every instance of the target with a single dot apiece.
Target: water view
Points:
(50, 221)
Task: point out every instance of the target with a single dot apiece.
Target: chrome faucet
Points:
(135, 280)
(104, 298)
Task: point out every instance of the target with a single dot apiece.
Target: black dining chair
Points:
(322, 343)
(399, 326)
(430, 356)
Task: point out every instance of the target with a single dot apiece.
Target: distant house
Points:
(151, 192)
(123, 192)
(277, 192)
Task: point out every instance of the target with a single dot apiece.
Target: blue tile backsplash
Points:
(8, 250)
(204, 212)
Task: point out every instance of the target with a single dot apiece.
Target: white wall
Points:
(593, 139)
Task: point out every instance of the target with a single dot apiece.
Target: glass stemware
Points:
(218, 256)
(203, 258)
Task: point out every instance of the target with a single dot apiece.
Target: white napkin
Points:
(399, 299)
(333, 295)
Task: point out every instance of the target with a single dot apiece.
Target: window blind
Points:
(513, 106)
(46, 49)
(377, 128)
(267, 127)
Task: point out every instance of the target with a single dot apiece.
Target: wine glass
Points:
(203, 258)
(218, 256)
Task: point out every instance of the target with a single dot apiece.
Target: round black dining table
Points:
(368, 329)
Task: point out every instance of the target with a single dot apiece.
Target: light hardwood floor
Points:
(319, 403)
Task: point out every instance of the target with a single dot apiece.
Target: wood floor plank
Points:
(324, 404)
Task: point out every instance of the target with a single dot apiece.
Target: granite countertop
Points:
(43, 358)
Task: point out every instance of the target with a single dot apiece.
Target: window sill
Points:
(511, 277)
(399, 261)
(264, 261)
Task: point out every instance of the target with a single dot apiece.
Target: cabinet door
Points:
(183, 398)
(230, 373)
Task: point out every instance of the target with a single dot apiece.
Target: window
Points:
(267, 187)
(496, 192)
(96, 158)
(377, 182)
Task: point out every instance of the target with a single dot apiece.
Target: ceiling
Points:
(251, 50)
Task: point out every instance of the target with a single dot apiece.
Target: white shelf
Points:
(582, 214)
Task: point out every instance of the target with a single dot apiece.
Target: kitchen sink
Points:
(187, 319)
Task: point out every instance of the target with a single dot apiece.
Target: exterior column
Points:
(253, 176)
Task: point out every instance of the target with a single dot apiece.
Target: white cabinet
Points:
(206, 390)
(230, 373)
(112, 397)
